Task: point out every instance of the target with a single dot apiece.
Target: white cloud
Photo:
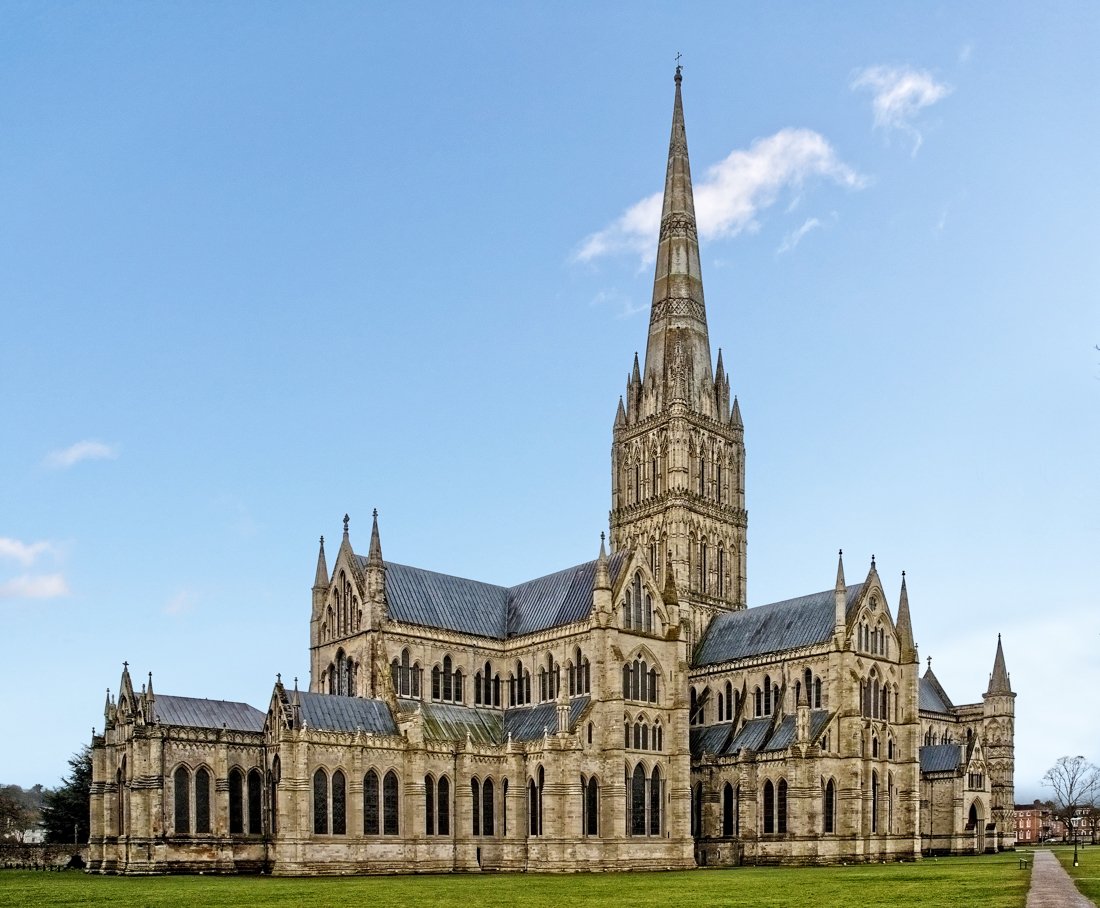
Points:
(24, 552)
(82, 450)
(180, 604)
(731, 194)
(793, 238)
(899, 93)
(34, 586)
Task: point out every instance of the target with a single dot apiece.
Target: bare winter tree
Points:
(1075, 783)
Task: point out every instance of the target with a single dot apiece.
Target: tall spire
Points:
(998, 681)
(374, 554)
(320, 579)
(904, 625)
(677, 358)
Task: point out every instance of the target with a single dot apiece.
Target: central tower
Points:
(678, 455)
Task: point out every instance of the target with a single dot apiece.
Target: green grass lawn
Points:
(992, 881)
(1087, 874)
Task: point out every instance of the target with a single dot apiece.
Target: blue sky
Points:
(265, 264)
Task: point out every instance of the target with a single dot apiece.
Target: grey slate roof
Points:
(450, 722)
(527, 723)
(755, 734)
(333, 713)
(430, 599)
(772, 628)
(931, 696)
(940, 757)
(195, 712)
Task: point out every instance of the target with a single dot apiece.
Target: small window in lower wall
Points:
(444, 804)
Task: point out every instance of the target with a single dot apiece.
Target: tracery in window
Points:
(447, 682)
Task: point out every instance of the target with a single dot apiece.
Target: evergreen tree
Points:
(67, 811)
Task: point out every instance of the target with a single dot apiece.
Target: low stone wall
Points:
(15, 855)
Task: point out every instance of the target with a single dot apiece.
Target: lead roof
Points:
(940, 757)
(756, 734)
(430, 599)
(773, 628)
(195, 712)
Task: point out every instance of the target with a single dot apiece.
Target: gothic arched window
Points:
(370, 803)
(390, 805)
(181, 784)
(202, 799)
(339, 804)
(320, 802)
(236, 802)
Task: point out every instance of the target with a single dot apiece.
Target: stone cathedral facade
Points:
(627, 713)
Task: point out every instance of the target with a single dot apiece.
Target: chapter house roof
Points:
(417, 596)
(772, 628)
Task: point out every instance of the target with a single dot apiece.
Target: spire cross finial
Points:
(929, 663)
(347, 520)
(679, 68)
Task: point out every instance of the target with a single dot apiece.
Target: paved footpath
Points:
(1051, 886)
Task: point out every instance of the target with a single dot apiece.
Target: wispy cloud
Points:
(180, 604)
(732, 193)
(82, 450)
(965, 53)
(34, 586)
(899, 94)
(793, 238)
(26, 553)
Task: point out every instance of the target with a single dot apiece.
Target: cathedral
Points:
(632, 712)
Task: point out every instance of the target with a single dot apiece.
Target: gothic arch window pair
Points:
(437, 805)
(697, 709)
(549, 680)
(729, 702)
(637, 735)
(245, 802)
(638, 606)
(590, 806)
(877, 697)
(519, 686)
(874, 640)
(330, 803)
(486, 687)
(579, 672)
(534, 802)
(381, 809)
(483, 807)
(342, 675)
(766, 699)
(406, 676)
(191, 799)
(447, 682)
(812, 686)
(645, 796)
(640, 681)
(775, 807)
